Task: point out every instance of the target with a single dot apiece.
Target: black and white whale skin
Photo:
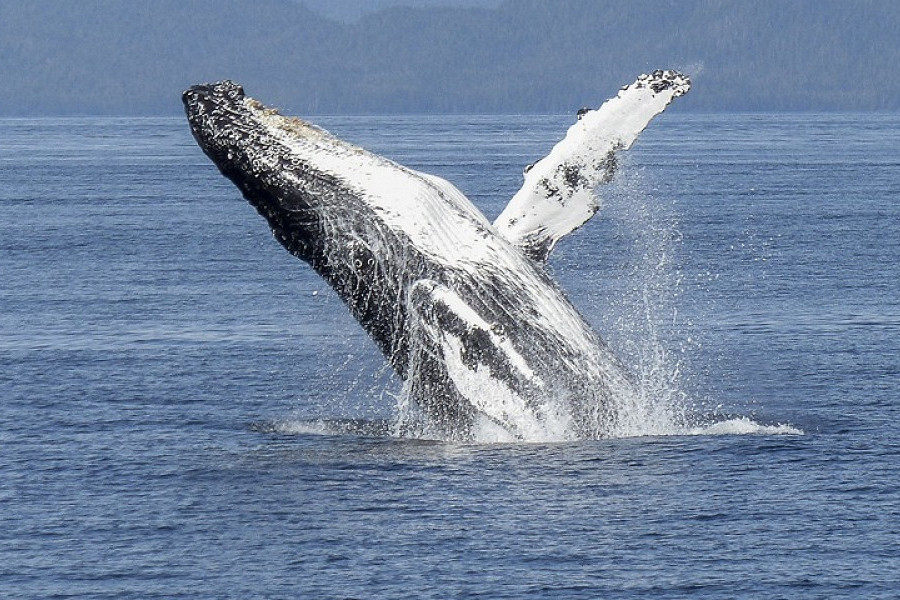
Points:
(462, 309)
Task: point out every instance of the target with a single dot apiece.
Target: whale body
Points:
(462, 309)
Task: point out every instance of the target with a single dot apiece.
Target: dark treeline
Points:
(62, 57)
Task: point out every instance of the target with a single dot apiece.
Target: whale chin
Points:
(462, 309)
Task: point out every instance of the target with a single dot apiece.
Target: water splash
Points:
(641, 320)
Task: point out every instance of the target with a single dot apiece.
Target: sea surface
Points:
(186, 411)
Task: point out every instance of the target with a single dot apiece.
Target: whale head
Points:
(217, 117)
(271, 159)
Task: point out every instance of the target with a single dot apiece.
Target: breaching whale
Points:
(463, 309)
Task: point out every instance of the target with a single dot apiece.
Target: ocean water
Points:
(186, 411)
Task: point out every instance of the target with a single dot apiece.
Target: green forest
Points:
(111, 57)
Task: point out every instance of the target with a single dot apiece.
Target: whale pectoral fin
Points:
(558, 194)
(483, 366)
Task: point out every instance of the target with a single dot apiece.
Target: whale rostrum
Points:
(463, 310)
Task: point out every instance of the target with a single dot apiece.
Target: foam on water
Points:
(357, 427)
(488, 432)
(743, 426)
(302, 427)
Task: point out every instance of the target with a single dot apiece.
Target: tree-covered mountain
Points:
(124, 57)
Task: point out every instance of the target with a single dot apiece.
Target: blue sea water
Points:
(186, 411)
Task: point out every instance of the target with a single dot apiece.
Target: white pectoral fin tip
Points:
(662, 80)
(557, 195)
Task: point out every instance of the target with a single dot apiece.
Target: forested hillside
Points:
(124, 57)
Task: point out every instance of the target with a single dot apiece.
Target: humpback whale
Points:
(462, 309)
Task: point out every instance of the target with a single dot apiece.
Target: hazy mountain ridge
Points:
(120, 57)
